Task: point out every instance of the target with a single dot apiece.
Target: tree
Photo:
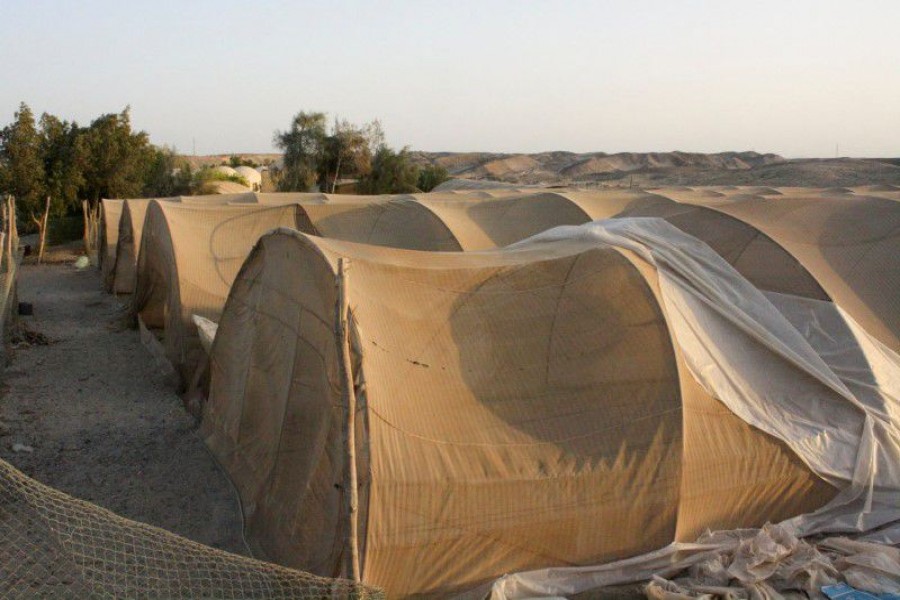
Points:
(21, 166)
(235, 161)
(116, 158)
(432, 176)
(63, 163)
(304, 146)
(392, 173)
(48, 168)
(316, 158)
(166, 174)
(183, 179)
(348, 152)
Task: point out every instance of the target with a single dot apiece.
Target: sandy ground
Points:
(104, 424)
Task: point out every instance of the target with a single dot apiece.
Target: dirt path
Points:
(103, 423)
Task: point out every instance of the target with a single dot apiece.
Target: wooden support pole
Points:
(88, 227)
(351, 489)
(7, 228)
(42, 229)
(13, 227)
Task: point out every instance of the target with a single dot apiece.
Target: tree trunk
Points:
(13, 229)
(42, 229)
(9, 230)
(337, 172)
(87, 227)
(7, 242)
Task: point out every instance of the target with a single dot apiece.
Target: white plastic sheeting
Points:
(772, 563)
(206, 329)
(801, 370)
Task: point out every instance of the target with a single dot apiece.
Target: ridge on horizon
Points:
(563, 167)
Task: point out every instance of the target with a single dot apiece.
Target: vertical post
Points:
(13, 227)
(351, 490)
(43, 230)
(91, 230)
(7, 228)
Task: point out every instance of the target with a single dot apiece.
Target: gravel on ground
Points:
(85, 409)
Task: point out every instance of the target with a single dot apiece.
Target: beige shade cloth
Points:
(491, 223)
(395, 222)
(447, 222)
(517, 408)
(195, 250)
(188, 259)
(131, 225)
(849, 243)
(110, 215)
(478, 222)
(479, 225)
(514, 217)
(755, 255)
(891, 192)
(443, 221)
(188, 264)
(289, 198)
(218, 199)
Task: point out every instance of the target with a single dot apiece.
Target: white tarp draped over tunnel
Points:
(840, 413)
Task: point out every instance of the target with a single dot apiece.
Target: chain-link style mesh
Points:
(56, 546)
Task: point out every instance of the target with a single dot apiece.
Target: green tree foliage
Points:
(63, 159)
(432, 176)
(117, 158)
(316, 158)
(348, 152)
(304, 148)
(68, 163)
(166, 174)
(21, 165)
(392, 173)
(235, 161)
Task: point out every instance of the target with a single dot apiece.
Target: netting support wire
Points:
(351, 491)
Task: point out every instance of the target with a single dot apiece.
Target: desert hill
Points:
(647, 169)
(642, 169)
(568, 167)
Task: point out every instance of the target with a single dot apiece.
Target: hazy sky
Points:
(792, 77)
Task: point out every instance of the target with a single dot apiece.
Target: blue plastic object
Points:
(842, 591)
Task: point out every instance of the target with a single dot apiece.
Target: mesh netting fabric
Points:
(55, 546)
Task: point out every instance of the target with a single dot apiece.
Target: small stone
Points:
(22, 448)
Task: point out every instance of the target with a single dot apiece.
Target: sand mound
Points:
(520, 165)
